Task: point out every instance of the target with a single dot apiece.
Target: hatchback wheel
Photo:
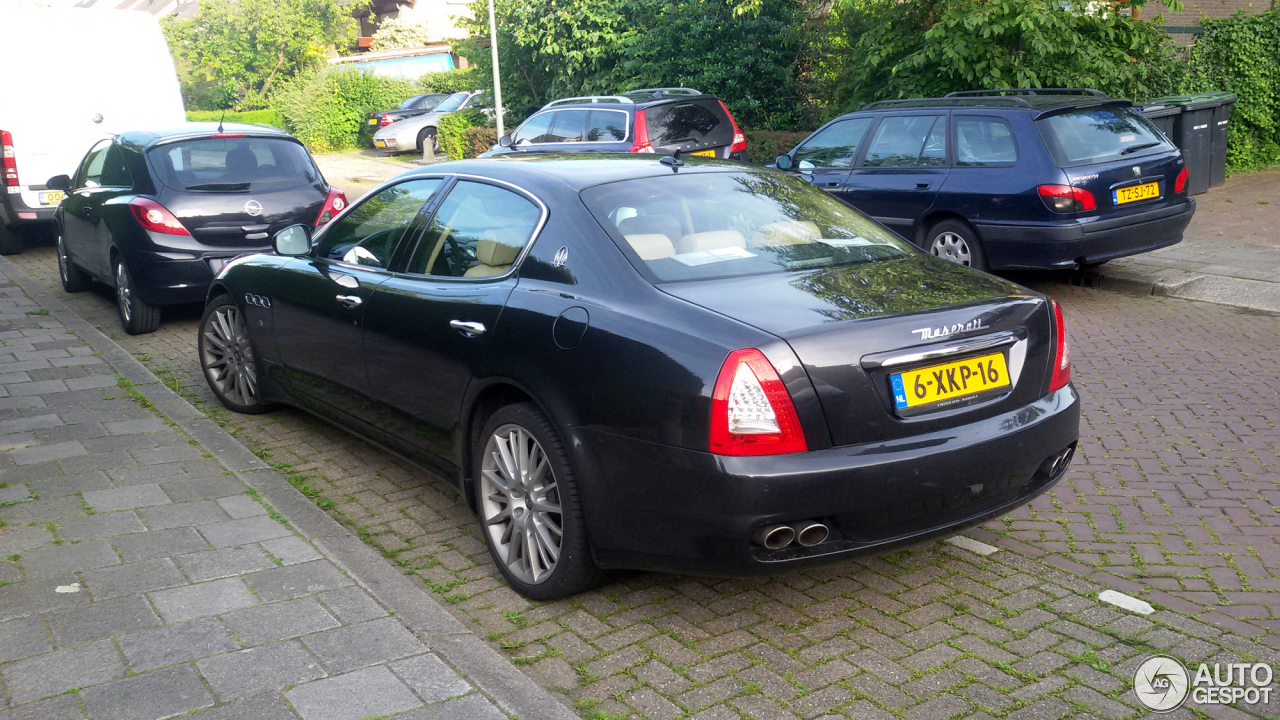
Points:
(226, 356)
(955, 241)
(529, 506)
(73, 278)
(137, 317)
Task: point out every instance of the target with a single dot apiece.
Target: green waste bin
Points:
(1162, 116)
(1193, 134)
(1218, 143)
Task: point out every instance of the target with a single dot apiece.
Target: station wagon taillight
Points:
(1065, 198)
(1180, 183)
(641, 133)
(739, 139)
(9, 161)
(1061, 350)
(333, 205)
(155, 217)
(751, 410)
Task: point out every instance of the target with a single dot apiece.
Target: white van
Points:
(101, 72)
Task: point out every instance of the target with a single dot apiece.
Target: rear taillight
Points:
(739, 139)
(384, 120)
(1064, 198)
(332, 206)
(10, 160)
(1061, 350)
(641, 132)
(751, 410)
(1181, 183)
(155, 217)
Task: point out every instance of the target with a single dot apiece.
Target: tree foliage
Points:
(327, 109)
(394, 33)
(246, 47)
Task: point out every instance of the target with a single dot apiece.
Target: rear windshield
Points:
(451, 103)
(233, 165)
(712, 225)
(1099, 134)
(702, 122)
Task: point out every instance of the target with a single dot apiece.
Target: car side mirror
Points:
(59, 182)
(783, 162)
(292, 241)
(505, 141)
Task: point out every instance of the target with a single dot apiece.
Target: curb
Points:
(513, 691)
(1255, 295)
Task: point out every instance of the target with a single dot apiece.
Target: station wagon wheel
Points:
(529, 508)
(136, 316)
(955, 241)
(73, 278)
(226, 356)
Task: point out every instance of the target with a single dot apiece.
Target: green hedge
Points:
(252, 117)
(456, 136)
(451, 81)
(764, 146)
(327, 109)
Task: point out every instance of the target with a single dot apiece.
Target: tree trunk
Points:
(262, 94)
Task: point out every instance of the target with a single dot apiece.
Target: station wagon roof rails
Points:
(1012, 100)
(663, 92)
(591, 99)
(1028, 91)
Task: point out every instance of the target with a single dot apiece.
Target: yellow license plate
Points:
(1145, 191)
(704, 153)
(51, 198)
(373, 121)
(379, 143)
(950, 381)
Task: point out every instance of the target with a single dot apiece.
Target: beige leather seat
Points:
(711, 240)
(495, 251)
(789, 232)
(651, 246)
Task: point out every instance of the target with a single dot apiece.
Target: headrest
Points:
(652, 246)
(789, 232)
(712, 240)
(241, 159)
(498, 247)
(651, 225)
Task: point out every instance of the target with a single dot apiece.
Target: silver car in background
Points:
(413, 133)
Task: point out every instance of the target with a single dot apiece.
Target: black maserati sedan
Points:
(642, 362)
(156, 214)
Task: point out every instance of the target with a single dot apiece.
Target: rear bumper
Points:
(11, 204)
(160, 279)
(660, 508)
(1083, 242)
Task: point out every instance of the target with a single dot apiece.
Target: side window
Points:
(836, 146)
(90, 175)
(535, 130)
(477, 232)
(606, 126)
(368, 234)
(568, 126)
(114, 172)
(908, 141)
(982, 141)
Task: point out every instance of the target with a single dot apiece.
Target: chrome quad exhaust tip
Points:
(810, 533)
(773, 537)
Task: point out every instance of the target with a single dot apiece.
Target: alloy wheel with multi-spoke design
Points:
(63, 261)
(520, 504)
(227, 356)
(951, 246)
(124, 294)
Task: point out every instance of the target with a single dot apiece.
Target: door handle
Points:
(922, 186)
(469, 329)
(350, 301)
(831, 184)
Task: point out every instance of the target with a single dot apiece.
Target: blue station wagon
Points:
(1007, 179)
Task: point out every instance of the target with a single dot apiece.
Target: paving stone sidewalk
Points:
(151, 567)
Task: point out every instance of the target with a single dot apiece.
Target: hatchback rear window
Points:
(701, 122)
(1099, 134)
(233, 165)
(710, 225)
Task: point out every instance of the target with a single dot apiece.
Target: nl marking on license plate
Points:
(1146, 191)
(949, 381)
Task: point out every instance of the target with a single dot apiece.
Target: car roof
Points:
(631, 100)
(578, 171)
(1037, 105)
(148, 138)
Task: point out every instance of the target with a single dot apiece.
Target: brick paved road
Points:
(1173, 499)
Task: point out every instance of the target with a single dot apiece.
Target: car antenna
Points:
(673, 161)
(224, 114)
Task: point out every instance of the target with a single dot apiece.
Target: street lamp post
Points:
(497, 82)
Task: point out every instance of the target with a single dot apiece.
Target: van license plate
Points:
(1146, 191)
(938, 384)
(704, 153)
(51, 198)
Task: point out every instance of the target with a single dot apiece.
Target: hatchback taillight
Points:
(739, 138)
(641, 132)
(155, 217)
(8, 160)
(1061, 350)
(1065, 198)
(1180, 183)
(751, 410)
(333, 204)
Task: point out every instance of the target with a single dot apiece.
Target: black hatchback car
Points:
(1006, 179)
(156, 214)
(652, 120)
(633, 362)
(412, 107)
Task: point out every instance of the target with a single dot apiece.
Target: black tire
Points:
(136, 316)
(574, 571)
(11, 242)
(423, 134)
(219, 369)
(957, 242)
(73, 278)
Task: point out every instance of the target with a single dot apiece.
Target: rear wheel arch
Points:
(934, 217)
